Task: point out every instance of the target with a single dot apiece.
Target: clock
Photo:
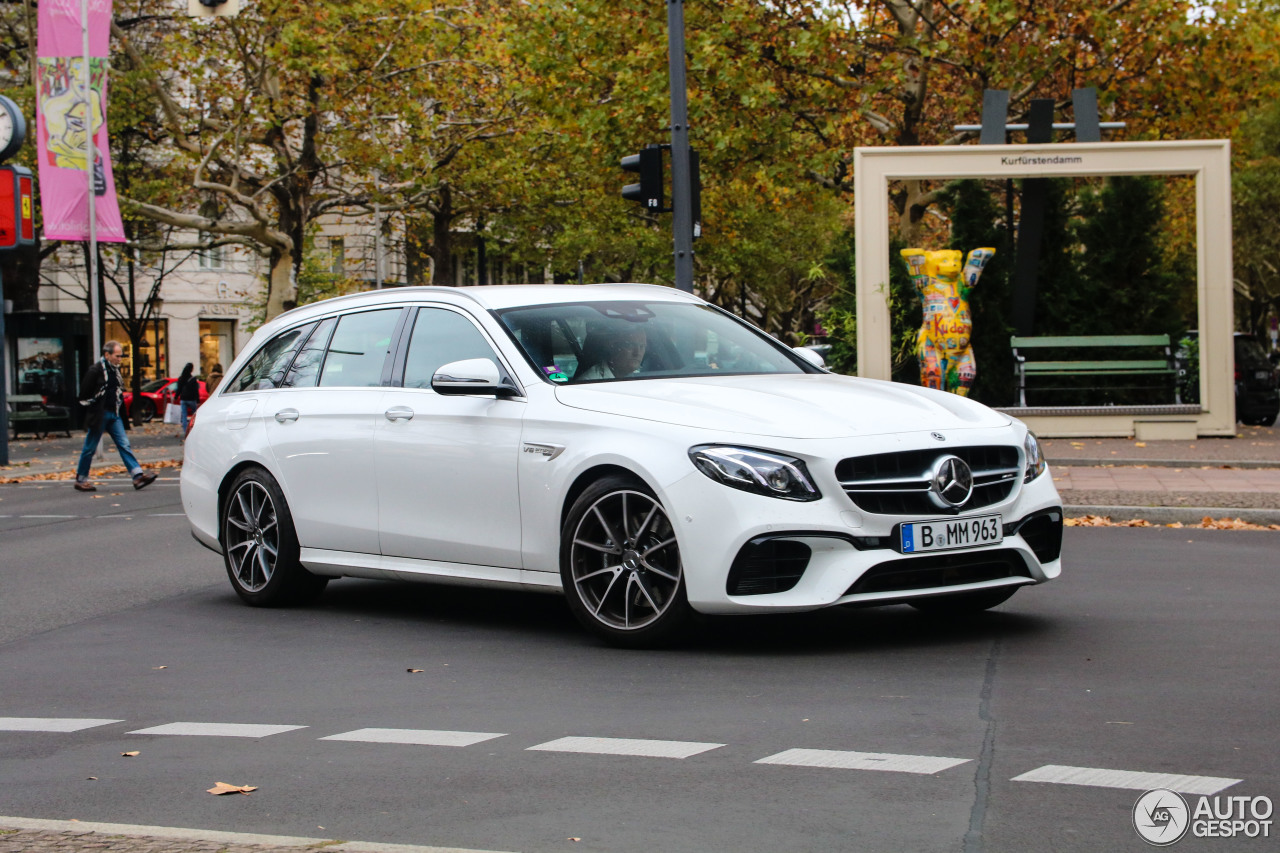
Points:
(13, 128)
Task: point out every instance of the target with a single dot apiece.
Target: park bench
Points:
(1161, 368)
(28, 413)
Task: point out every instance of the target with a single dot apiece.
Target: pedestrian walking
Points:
(187, 394)
(103, 396)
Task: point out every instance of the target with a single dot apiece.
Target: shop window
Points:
(151, 360)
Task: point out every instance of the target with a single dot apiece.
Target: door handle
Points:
(285, 415)
(399, 413)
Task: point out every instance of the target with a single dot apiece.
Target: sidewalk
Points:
(1161, 482)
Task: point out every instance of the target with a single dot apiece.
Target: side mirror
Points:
(812, 356)
(472, 376)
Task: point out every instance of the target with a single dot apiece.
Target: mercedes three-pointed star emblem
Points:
(951, 482)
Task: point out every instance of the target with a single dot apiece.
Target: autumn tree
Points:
(291, 111)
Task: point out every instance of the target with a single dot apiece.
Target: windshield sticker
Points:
(555, 374)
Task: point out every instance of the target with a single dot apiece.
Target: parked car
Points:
(156, 394)
(1257, 381)
(1257, 385)
(645, 453)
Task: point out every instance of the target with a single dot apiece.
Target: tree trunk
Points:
(282, 293)
(441, 241)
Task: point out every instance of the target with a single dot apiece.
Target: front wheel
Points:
(260, 547)
(962, 603)
(620, 565)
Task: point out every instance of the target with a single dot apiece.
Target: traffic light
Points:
(213, 8)
(648, 164)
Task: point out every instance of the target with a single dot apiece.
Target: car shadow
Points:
(530, 617)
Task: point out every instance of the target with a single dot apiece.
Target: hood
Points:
(790, 405)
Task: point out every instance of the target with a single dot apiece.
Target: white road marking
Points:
(925, 764)
(167, 514)
(48, 516)
(216, 730)
(79, 827)
(626, 746)
(50, 724)
(1099, 778)
(422, 737)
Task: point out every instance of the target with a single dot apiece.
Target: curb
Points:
(266, 842)
(1130, 462)
(1175, 514)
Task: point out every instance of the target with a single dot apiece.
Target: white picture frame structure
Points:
(1207, 161)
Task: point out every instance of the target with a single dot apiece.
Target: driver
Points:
(619, 355)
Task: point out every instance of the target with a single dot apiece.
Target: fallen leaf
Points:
(128, 754)
(157, 667)
(415, 670)
(571, 838)
(220, 788)
(93, 779)
(1139, 444)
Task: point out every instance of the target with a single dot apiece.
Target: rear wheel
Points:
(620, 565)
(146, 409)
(960, 603)
(260, 547)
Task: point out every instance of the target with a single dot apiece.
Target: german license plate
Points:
(951, 533)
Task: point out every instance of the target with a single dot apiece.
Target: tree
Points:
(1256, 198)
(292, 110)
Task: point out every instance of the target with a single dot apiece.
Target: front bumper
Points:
(749, 554)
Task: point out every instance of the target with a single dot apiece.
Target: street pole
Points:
(4, 384)
(94, 308)
(681, 178)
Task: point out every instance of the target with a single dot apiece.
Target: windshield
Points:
(155, 384)
(585, 342)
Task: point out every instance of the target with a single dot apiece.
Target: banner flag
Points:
(63, 111)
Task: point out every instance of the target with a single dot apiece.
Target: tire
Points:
(1268, 420)
(620, 565)
(146, 409)
(962, 603)
(260, 547)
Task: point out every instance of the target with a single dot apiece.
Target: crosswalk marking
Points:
(626, 746)
(50, 724)
(216, 730)
(925, 764)
(421, 737)
(1100, 778)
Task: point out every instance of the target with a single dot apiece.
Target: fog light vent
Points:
(768, 565)
(1043, 533)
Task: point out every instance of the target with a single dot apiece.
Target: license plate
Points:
(951, 533)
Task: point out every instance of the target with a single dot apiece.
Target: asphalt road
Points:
(1156, 652)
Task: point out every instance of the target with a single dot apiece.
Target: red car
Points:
(156, 394)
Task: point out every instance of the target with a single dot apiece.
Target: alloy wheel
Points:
(252, 536)
(624, 560)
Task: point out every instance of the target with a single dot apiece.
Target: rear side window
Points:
(306, 367)
(266, 369)
(359, 349)
(439, 337)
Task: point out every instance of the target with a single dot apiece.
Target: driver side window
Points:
(439, 337)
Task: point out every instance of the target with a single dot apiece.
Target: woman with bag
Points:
(187, 394)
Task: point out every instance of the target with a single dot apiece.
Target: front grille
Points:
(940, 570)
(898, 483)
(767, 565)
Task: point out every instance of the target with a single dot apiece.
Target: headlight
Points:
(1035, 458)
(756, 471)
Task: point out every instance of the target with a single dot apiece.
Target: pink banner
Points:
(64, 109)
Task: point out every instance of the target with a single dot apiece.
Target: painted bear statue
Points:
(942, 346)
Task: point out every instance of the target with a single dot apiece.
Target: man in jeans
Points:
(103, 394)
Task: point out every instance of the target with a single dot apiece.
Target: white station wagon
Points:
(646, 453)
